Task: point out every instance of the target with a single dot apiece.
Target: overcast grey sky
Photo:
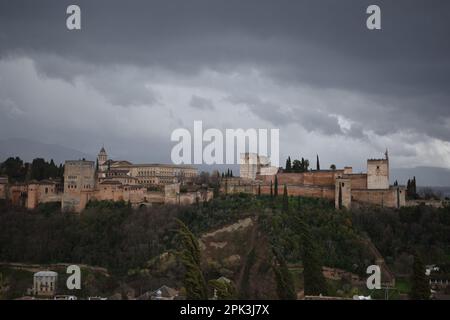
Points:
(139, 69)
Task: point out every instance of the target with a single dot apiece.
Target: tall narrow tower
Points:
(102, 159)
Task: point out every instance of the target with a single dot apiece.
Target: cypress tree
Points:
(276, 186)
(340, 197)
(271, 189)
(288, 164)
(420, 289)
(285, 199)
(318, 163)
(259, 190)
(283, 277)
(314, 281)
(194, 282)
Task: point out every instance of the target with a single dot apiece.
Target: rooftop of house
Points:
(46, 274)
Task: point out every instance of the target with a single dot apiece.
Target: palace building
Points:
(107, 179)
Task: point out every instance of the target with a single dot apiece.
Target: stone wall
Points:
(310, 178)
(42, 193)
(359, 180)
(393, 197)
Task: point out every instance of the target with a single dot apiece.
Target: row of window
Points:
(74, 186)
(167, 173)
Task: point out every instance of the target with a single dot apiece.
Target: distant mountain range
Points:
(425, 176)
(27, 150)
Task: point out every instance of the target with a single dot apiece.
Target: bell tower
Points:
(102, 159)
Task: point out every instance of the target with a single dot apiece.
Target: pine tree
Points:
(276, 186)
(285, 199)
(194, 282)
(314, 281)
(420, 289)
(318, 164)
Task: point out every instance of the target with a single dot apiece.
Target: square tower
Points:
(378, 173)
(79, 183)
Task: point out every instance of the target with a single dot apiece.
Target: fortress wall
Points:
(16, 192)
(154, 197)
(134, 195)
(305, 191)
(359, 181)
(386, 198)
(312, 178)
(107, 192)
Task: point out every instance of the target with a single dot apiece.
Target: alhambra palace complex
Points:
(150, 184)
(341, 185)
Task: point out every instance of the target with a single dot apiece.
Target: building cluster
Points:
(148, 184)
(106, 179)
(342, 186)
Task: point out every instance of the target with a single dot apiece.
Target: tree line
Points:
(39, 169)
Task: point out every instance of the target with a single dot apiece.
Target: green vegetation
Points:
(420, 289)
(284, 279)
(314, 281)
(19, 171)
(297, 231)
(194, 282)
(298, 165)
(224, 290)
(398, 234)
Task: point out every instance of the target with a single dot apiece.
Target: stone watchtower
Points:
(343, 193)
(378, 173)
(102, 159)
(79, 184)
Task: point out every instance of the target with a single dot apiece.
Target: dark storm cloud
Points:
(311, 119)
(321, 42)
(388, 81)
